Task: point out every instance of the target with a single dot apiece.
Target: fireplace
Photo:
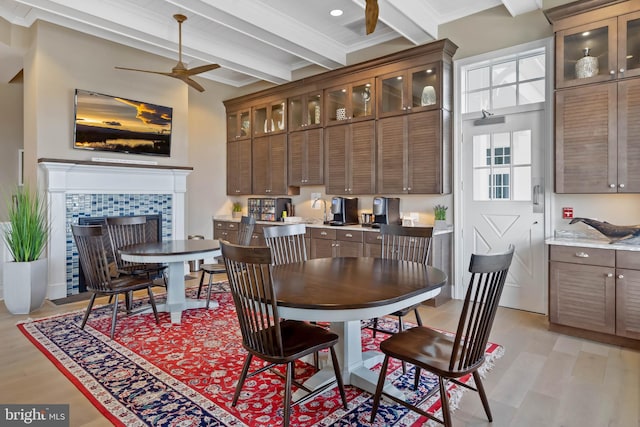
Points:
(153, 228)
(86, 189)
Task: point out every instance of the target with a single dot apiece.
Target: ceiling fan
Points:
(371, 15)
(180, 71)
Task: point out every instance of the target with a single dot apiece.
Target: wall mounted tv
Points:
(111, 123)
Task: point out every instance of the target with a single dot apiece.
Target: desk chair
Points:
(90, 240)
(406, 244)
(245, 230)
(264, 334)
(452, 357)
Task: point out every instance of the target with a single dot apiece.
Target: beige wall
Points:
(10, 140)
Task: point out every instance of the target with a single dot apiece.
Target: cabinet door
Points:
(322, 248)
(305, 111)
(297, 158)
(575, 66)
(582, 296)
(239, 124)
(314, 157)
(349, 249)
(629, 136)
(392, 155)
(427, 167)
(628, 303)
(336, 138)
(239, 167)
(278, 163)
(362, 158)
(586, 139)
(629, 45)
(261, 168)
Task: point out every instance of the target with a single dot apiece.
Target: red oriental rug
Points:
(185, 375)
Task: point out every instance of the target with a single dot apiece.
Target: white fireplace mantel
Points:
(59, 178)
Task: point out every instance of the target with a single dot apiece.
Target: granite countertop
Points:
(317, 223)
(588, 240)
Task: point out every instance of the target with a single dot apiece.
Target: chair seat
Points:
(426, 348)
(213, 268)
(124, 284)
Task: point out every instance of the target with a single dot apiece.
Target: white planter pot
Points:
(25, 285)
(440, 224)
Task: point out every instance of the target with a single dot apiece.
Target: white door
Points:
(503, 201)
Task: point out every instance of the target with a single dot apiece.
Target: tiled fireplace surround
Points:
(90, 189)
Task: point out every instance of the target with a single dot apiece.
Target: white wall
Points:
(10, 140)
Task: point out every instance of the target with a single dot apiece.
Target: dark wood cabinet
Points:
(270, 164)
(305, 111)
(350, 102)
(413, 90)
(269, 118)
(306, 157)
(328, 243)
(239, 167)
(350, 158)
(413, 154)
(239, 124)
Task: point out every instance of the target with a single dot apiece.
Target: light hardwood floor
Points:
(543, 379)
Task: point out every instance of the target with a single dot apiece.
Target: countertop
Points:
(317, 223)
(589, 240)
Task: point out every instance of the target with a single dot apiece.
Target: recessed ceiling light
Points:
(336, 12)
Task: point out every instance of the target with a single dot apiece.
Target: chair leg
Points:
(201, 282)
(287, 394)
(418, 318)
(336, 369)
(209, 289)
(416, 378)
(444, 402)
(375, 326)
(152, 301)
(243, 377)
(483, 395)
(86, 314)
(400, 329)
(114, 317)
(379, 387)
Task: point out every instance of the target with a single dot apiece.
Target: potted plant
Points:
(236, 210)
(25, 278)
(440, 213)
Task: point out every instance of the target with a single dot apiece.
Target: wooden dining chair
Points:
(405, 244)
(451, 357)
(132, 230)
(245, 231)
(93, 255)
(287, 243)
(264, 334)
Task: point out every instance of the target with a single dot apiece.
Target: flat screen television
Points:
(115, 124)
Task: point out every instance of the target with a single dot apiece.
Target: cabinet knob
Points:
(582, 255)
(620, 276)
(379, 237)
(408, 188)
(404, 188)
(409, 107)
(621, 186)
(323, 233)
(621, 70)
(610, 275)
(612, 186)
(612, 72)
(348, 235)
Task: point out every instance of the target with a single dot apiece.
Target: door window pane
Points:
(522, 183)
(481, 150)
(503, 73)
(522, 147)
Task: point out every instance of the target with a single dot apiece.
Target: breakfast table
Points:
(345, 291)
(174, 253)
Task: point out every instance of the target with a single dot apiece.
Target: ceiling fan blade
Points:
(144, 71)
(371, 15)
(192, 83)
(201, 69)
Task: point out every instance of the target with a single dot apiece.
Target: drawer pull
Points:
(379, 238)
(609, 274)
(323, 233)
(620, 276)
(348, 235)
(582, 255)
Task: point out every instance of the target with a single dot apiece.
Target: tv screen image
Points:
(111, 123)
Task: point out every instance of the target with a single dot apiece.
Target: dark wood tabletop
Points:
(171, 247)
(350, 283)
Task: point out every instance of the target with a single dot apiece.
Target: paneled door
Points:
(503, 201)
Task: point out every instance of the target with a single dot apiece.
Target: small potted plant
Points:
(25, 278)
(440, 213)
(236, 210)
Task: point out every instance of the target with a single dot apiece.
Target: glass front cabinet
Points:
(270, 118)
(598, 51)
(305, 111)
(350, 102)
(412, 90)
(239, 124)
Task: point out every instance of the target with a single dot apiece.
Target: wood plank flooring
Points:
(544, 378)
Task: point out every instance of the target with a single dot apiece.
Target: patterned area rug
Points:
(185, 375)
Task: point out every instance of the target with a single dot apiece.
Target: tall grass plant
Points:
(26, 236)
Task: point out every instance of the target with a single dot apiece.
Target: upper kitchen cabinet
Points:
(270, 118)
(305, 111)
(413, 90)
(239, 167)
(596, 43)
(270, 164)
(350, 102)
(239, 124)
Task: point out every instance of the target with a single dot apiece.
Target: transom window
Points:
(505, 82)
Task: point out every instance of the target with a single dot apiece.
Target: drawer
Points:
(323, 233)
(225, 225)
(582, 255)
(349, 235)
(373, 237)
(628, 259)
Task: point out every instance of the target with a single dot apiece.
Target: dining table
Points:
(174, 253)
(343, 292)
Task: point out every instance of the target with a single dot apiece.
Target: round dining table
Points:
(174, 253)
(344, 291)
